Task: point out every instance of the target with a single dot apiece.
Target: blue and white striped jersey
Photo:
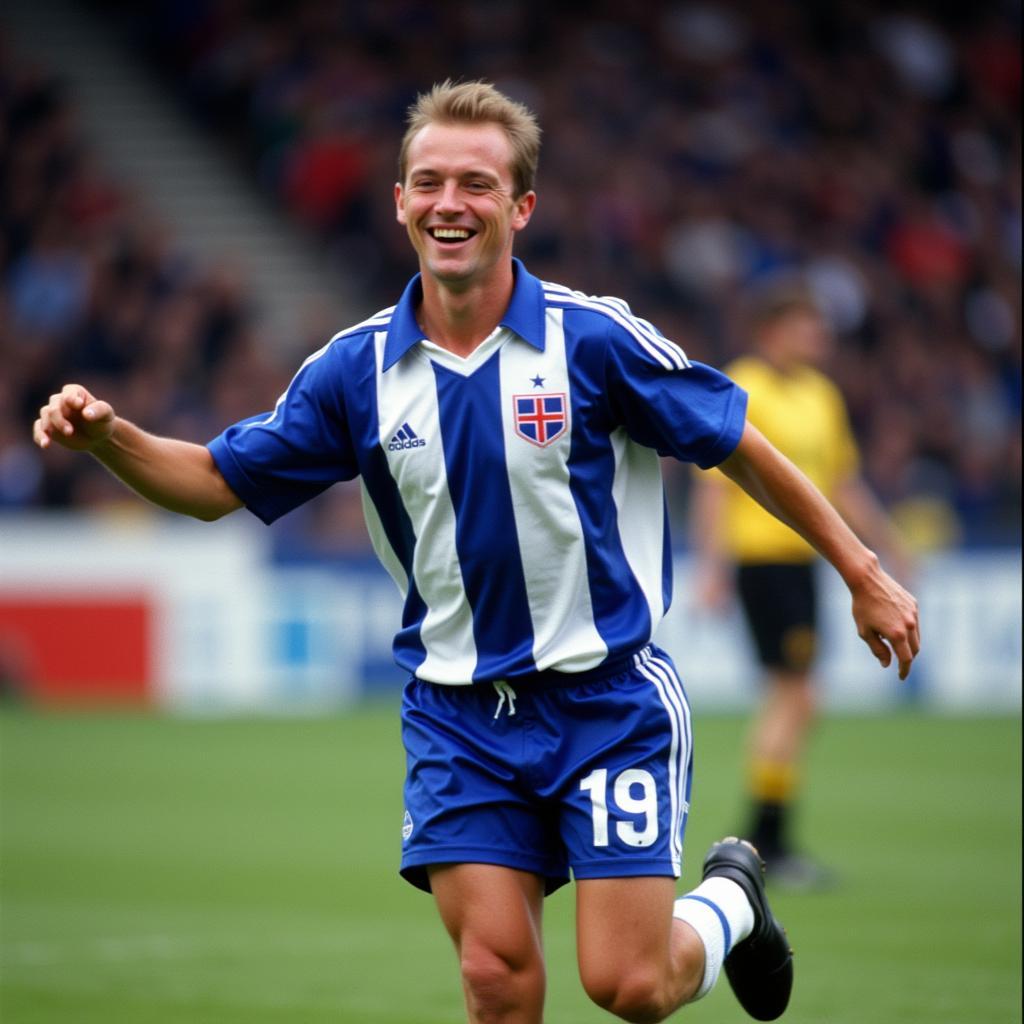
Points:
(515, 496)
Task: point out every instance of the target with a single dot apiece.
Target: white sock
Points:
(720, 913)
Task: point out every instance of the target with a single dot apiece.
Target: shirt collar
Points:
(525, 315)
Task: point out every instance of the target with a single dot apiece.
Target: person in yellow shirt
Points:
(742, 549)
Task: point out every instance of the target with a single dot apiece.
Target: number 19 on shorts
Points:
(635, 795)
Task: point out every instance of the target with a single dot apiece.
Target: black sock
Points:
(768, 828)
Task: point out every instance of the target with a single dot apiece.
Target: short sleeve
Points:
(277, 461)
(663, 400)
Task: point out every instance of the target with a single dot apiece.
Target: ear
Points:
(524, 210)
(399, 205)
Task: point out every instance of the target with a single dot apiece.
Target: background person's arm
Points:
(883, 611)
(713, 584)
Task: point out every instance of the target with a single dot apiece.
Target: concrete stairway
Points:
(148, 143)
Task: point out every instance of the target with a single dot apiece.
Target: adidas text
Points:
(405, 437)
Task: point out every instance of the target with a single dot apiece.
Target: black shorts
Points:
(780, 604)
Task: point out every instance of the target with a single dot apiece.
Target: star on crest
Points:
(538, 381)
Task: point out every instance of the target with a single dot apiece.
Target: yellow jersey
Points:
(803, 414)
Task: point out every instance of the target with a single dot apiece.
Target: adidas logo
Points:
(405, 437)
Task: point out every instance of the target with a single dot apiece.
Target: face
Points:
(800, 336)
(457, 201)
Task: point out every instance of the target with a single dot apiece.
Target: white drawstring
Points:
(505, 693)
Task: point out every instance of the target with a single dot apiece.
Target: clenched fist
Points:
(75, 419)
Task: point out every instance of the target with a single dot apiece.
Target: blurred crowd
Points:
(94, 289)
(692, 152)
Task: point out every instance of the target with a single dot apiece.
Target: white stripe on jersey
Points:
(407, 393)
(383, 318)
(670, 690)
(666, 352)
(381, 545)
(674, 349)
(551, 540)
(641, 519)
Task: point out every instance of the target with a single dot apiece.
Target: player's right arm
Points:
(176, 475)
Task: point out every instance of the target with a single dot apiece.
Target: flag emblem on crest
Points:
(540, 419)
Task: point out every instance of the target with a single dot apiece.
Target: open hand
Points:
(887, 619)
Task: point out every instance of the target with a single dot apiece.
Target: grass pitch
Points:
(159, 870)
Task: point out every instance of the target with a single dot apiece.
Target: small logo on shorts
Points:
(406, 826)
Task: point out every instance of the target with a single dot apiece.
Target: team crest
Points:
(540, 419)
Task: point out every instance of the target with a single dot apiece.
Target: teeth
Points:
(455, 233)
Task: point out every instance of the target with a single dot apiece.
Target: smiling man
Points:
(506, 432)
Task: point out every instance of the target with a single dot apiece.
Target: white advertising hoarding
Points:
(233, 631)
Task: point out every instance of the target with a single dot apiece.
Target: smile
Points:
(450, 234)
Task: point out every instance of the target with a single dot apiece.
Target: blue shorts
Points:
(591, 776)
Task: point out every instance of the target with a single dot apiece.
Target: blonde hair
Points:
(478, 103)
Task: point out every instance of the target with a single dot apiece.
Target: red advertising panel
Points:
(77, 649)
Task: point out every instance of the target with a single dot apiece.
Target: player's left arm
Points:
(886, 615)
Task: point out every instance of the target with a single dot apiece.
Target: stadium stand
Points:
(693, 151)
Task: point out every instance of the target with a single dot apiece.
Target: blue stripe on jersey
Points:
(380, 485)
(621, 613)
(620, 610)
(485, 527)
(362, 415)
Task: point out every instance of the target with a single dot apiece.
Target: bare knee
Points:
(497, 986)
(637, 995)
(488, 977)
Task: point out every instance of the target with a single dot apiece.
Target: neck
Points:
(782, 362)
(458, 319)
